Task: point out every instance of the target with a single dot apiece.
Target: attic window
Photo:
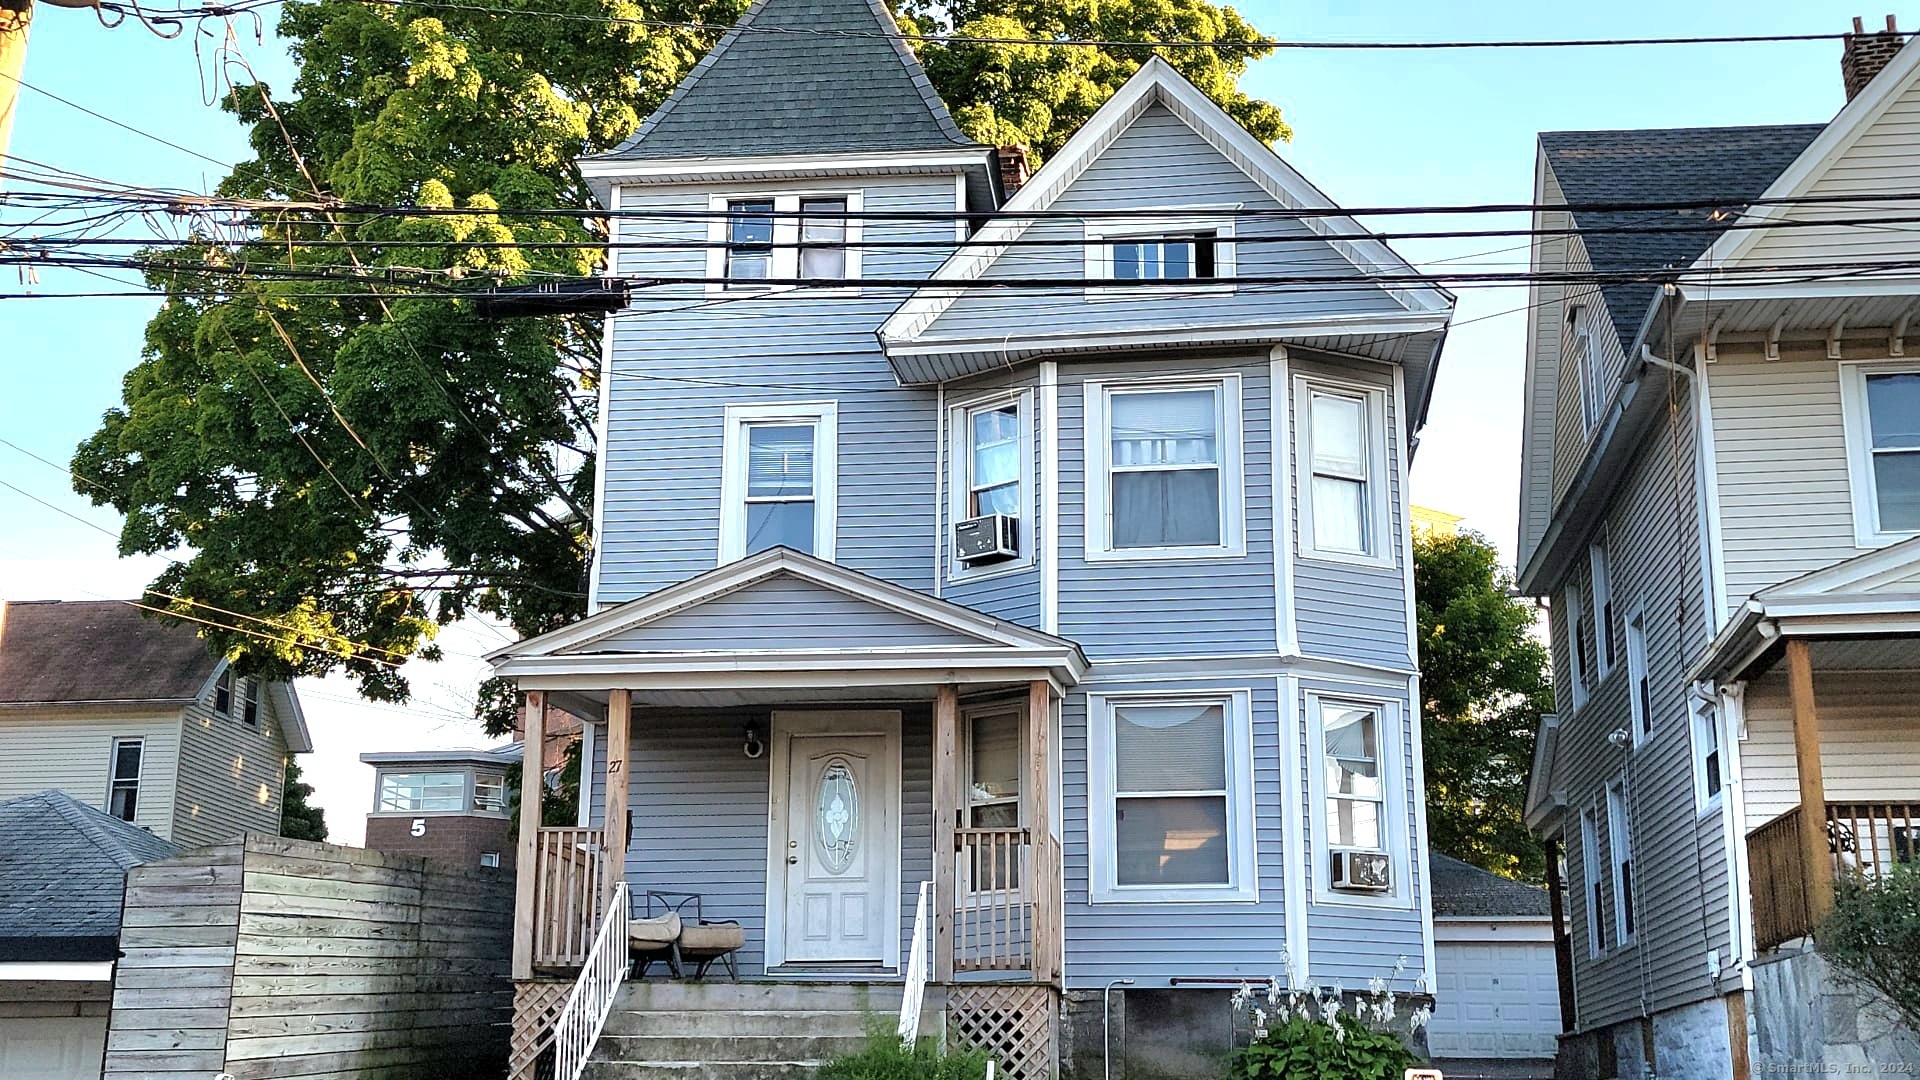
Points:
(765, 243)
(223, 693)
(1184, 253)
(1175, 257)
(749, 239)
(250, 707)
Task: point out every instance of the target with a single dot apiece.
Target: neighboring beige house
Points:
(1721, 497)
(133, 715)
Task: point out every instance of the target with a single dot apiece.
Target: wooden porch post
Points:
(946, 808)
(526, 869)
(614, 840)
(1562, 945)
(1037, 788)
(1813, 786)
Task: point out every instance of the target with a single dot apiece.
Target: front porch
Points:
(878, 807)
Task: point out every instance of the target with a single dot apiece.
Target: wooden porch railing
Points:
(1862, 838)
(570, 886)
(1006, 917)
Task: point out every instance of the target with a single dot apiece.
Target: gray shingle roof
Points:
(1463, 890)
(63, 868)
(1727, 165)
(758, 92)
(97, 651)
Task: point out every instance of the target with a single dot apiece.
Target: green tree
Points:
(1485, 681)
(349, 469)
(300, 820)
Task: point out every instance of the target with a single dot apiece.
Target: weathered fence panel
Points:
(314, 960)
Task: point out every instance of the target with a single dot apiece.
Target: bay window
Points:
(1341, 442)
(1356, 781)
(1163, 468)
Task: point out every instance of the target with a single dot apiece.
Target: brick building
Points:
(442, 804)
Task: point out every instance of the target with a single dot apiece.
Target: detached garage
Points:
(63, 871)
(1497, 997)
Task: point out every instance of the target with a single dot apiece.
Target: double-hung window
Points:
(1350, 753)
(1164, 469)
(766, 242)
(1602, 579)
(250, 703)
(1580, 665)
(1708, 777)
(779, 485)
(994, 760)
(1620, 843)
(423, 791)
(1354, 774)
(1584, 360)
(1172, 809)
(123, 791)
(1144, 256)
(1342, 448)
(1881, 407)
(1639, 693)
(991, 451)
(1590, 869)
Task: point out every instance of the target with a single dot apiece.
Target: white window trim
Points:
(1587, 371)
(786, 241)
(968, 714)
(1572, 597)
(1619, 853)
(1380, 551)
(1857, 424)
(1098, 533)
(1393, 784)
(113, 770)
(1590, 869)
(1635, 633)
(1099, 252)
(1599, 599)
(1243, 869)
(959, 461)
(733, 481)
(1704, 719)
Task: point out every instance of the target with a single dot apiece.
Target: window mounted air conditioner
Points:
(990, 538)
(1362, 871)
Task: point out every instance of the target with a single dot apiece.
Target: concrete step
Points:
(648, 996)
(602, 1069)
(741, 1022)
(710, 1047)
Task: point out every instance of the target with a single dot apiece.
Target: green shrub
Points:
(1874, 935)
(884, 1058)
(1316, 1036)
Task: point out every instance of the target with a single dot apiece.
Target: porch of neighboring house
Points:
(881, 821)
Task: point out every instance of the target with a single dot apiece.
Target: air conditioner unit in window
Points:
(990, 538)
(1362, 871)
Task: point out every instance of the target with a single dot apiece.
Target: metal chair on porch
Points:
(662, 931)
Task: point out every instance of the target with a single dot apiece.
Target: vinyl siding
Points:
(71, 749)
(231, 774)
(680, 357)
(1159, 162)
(781, 613)
(698, 816)
(1546, 316)
(1680, 882)
(1571, 437)
(1343, 610)
(1166, 607)
(1869, 748)
(1012, 593)
(1786, 507)
(1883, 157)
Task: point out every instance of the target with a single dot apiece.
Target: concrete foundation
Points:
(1809, 1017)
(1690, 1041)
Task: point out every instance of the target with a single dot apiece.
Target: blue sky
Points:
(1371, 128)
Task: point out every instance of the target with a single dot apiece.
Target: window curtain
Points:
(1174, 435)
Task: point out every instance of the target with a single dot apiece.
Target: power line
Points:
(116, 123)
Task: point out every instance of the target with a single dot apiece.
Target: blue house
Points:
(1044, 547)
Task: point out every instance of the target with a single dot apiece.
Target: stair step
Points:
(712, 1046)
(603, 1069)
(740, 1022)
(879, 998)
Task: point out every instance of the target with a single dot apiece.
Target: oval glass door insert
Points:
(837, 816)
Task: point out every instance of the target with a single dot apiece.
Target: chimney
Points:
(1013, 168)
(1866, 54)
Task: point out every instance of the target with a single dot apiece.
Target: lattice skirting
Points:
(1016, 1024)
(536, 1007)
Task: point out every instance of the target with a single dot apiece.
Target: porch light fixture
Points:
(755, 745)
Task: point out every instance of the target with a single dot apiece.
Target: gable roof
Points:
(1886, 571)
(63, 867)
(838, 78)
(98, 652)
(1726, 165)
(1462, 890)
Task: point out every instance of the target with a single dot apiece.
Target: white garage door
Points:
(1494, 999)
(52, 1048)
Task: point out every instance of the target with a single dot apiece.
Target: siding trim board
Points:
(1286, 630)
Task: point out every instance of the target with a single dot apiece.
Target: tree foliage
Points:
(300, 820)
(1485, 682)
(1873, 935)
(351, 464)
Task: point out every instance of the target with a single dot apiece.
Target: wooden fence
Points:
(283, 958)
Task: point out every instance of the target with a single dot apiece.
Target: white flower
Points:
(1420, 1017)
(1242, 996)
(1259, 1019)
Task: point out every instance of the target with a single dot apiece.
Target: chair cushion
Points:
(712, 937)
(655, 933)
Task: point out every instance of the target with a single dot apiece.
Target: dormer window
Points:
(762, 243)
(1184, 253)
(1580, 356)
(223, 693)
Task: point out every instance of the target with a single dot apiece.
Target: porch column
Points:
(613, 842)
(525, 869)
(1037, 790)
(1813, 786)
(946, 809)
(1562, 945)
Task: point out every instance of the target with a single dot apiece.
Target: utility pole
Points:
(15, 15)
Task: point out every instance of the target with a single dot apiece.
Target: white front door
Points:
(838, 840)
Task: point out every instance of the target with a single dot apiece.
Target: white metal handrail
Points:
(593, 993)
(916, 989)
